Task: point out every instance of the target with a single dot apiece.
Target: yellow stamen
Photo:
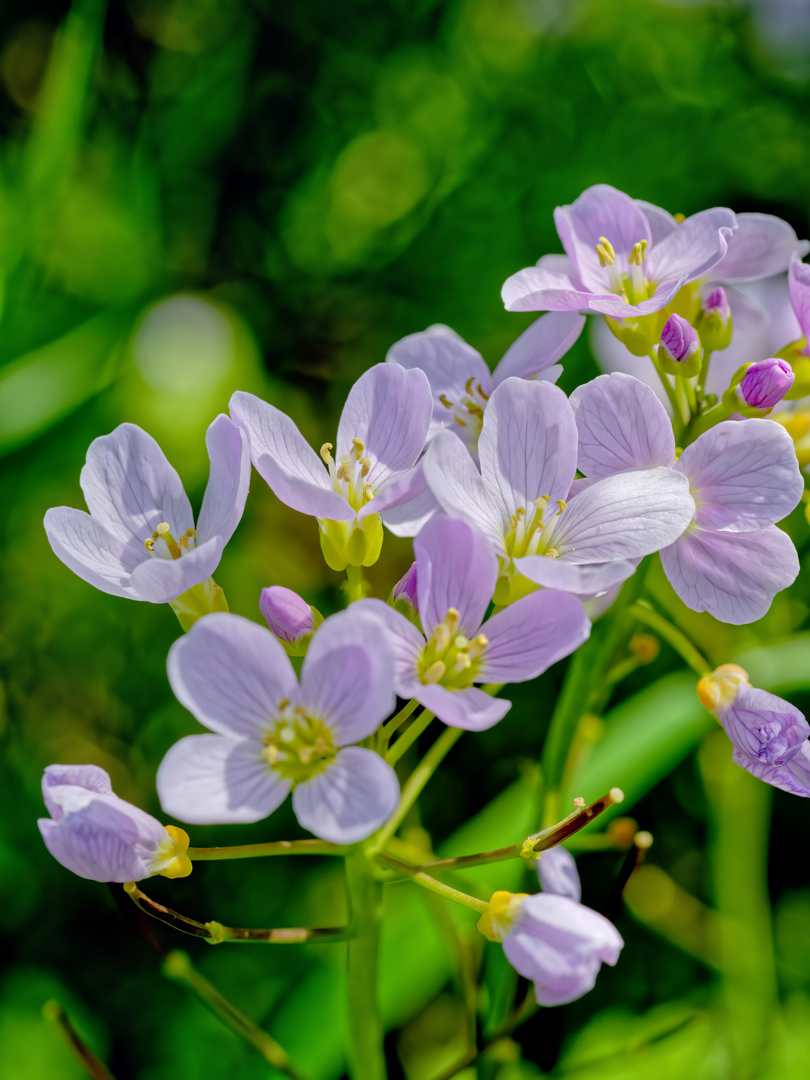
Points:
(359, 447)
(639, 253)
(561, 504)
(434, 673)
(365, 466)
(149, 544)
(327, 457)
(368, 492)
(469, 384)
(605, 251)
(445, 400)
(163, 530)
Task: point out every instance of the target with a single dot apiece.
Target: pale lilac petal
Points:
(535, 289)
(456, 568)
(409, 518)
(743, 475)
(793, 777)
(389, 410)
(349, 799)
(347, 679)
(94, 851)
(762, 246)
(558, 264)
(545, 342)
(161, 580)
(661, 222)
(748, 315)
(405, 640)
(689, 252)
(764, 726)
(532, 634)
(131, 488)
(447, 360)
(623, 516)
(88, 777)
(799, 284)
(585, 580)
(733, 576)
(528, 445)
(285, 460)
(471, 709)
(459, 490)
(92, 552)
(403, 489)
(288, 615)
(212, 780)
(599, 211)
(228, 481)
(621, 425)
(558, 874)
(230, 674)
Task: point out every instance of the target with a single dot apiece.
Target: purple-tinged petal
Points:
(535, 289)
(409, 518)
(405, 640)
(471, 709)
(532, 634)
(389, 410)
(528, 445)
(288, 615)
(793, 777)
(733, 576)
(230, 674)
(131, 488)
(743, 475)
(545, 342)
(92, 552)
(559, 264)
(88, 777)
(766, 382)
(347, 679)
(799, 285)
(622, 425)
(459, 490)
(693, 249)
(447, 360)
(405, 589)
(456, 568)
(161, 580)
(558, 874)
(661, 222)
(94, 851)
(285, 460)
(679, 340)
(212, 780)
(584, 580)
(762, 246)
(764, 726)
(402, 490)
(600, 211)
(623, 516)
(228, 481)
(348, 800)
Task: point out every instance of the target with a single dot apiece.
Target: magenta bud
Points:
(716, 303)
(766, 382)
(679, 340)
(405, 589)
(288, 615)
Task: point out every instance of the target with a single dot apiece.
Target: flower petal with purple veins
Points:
(600, 211)
(743, 475)
(162, 580)
(349, 799)
(347, 679)
(88, 777)
(764, 726)
(409, 518)
(456, 568)
(793, 777)
(401, 491)
(539, 347)
(531, 634)
(230, 674)
(693, 249)
(733, 576)
(621, 425)
(799, 285)
(558, 874)
(447, 360)
(471, 709)
(92, 552)
(537, 289)
(405, 640)
(583, 580)
(228, 481)
(213, 780)
(97, 844)
(761, 246)
(661, 222)
(459, 490)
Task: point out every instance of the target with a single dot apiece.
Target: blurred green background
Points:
(202, 196)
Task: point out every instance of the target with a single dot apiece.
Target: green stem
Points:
(365, 1023)
(643, 613)
(388, 729)
(408, 737)
(256, 851)
(432, 885)
(704, 371)
(178, 967)
(354, 578)
(416, 781)
(94, 1066)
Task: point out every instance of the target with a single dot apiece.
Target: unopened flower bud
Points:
(714, 321)
(766, 382)
(645, 647)
(680, 347)
(404, 597)
(290, 618)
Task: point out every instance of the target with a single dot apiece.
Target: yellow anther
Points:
(452, 617)
(445, 400)
(680, 218)
(327, 457)
(434, 673)
(149, 543)
(639, 253)
(365, 466)
(184, 540)
(561, 504)
(359, 446)
(463, 661)
(552, 553)
(459, 421)
(341, 472)
(468, 386)
(604, 249)
(163, 530)
(520, 512)
(368, 492)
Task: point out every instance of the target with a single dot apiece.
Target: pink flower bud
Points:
(288, 615)
(716, 303)
(678, 339)
(766, 382)
(405, 589)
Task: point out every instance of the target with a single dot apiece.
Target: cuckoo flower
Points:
(618, 266)
(552, 940)
(381, 435)
(799, 285)
(272, 735)
(769, 734)
(456, 571)
(528, 452)
(139, 538)
(290, 618)
(766, 382)
(557, 873)
(101, 837)
(743, 475)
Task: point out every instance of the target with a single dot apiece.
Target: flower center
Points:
(449, 658)
(504, 908)
(164, 545)
(630, 283)
(468, 411)
(298, 746)
(171, 860)
(348, 475)
(529, 533)
(720, 689)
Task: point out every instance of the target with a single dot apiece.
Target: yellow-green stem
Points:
(354, 578)
(257, 851)
(432, 885)
(388, 729)
(643, 613)
(365, 1023)
(409, 737)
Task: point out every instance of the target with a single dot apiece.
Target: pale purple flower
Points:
(272, 734)
(289, 617)
(557, 943)
(557, 873)
(139, 538)
(769, 735)
(619, 264)
(99, 836)
(766, 382)
(456, 575)
(799, 286)
(553, 531)
(679, 341)
(743, 476)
